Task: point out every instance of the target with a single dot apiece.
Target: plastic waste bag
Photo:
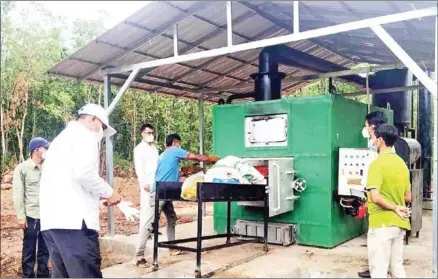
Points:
(250, 173)
(247, 173)
(228, 161)
(224, 175)
(190, 185)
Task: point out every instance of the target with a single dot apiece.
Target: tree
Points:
(36, 104)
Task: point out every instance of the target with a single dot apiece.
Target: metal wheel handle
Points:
(300, 185)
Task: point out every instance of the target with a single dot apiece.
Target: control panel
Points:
(353, 170)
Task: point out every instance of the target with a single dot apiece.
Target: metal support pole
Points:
(296, 17)
(201, 140)
(368, 93)
(122, 91)
(405, 58)
(175, 40)
(109, 155)
(230, 23)
(435, 160)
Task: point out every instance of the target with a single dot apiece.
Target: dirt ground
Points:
(11, 235)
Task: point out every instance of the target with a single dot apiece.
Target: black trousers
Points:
(34, 251)
(74, 253)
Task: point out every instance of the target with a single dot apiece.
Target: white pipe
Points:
(201, 140)
(435, 161)
(175, 40)
(122, 90)
(296, 17)
(109, 155)
(229, 23)
(405, 58)
(344, 27)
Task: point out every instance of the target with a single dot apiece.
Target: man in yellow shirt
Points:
(389, 189)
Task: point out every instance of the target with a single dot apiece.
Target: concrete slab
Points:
(248, 261)
(343, 261)
(428, 205)
(126, 245)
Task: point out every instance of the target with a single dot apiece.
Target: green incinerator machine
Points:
(297, 143)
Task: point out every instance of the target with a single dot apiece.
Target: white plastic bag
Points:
(247, 174)
(190, 185)
(228, 161)
(250, 173)
(224, 175)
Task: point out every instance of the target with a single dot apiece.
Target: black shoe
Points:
(364, 274)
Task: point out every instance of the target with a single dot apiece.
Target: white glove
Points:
(130, 212)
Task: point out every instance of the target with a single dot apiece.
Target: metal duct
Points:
(425, 137)
(399, 102)
(268, 79)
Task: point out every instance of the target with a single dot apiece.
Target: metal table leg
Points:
(199, 238)
(265, 222)
(156, 222)
(228, 221)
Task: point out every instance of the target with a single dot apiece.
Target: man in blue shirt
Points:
(168, 170)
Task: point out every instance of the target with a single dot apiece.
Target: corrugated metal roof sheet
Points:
(147, 35)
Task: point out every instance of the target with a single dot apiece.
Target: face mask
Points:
(43, 155)
(99, 135)
(149, 138)
(365, 133)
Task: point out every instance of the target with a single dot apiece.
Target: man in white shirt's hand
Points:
(145, 161)
(114, 199)
(70, 194)
(147, 188)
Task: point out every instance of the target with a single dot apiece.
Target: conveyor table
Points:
(210, 192)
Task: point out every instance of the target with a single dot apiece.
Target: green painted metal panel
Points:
(317, 127)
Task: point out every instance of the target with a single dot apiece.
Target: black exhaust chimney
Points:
(425, 138)
(400, 102)
(268, 79)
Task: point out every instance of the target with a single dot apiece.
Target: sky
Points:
(117, 11)
(114, 11)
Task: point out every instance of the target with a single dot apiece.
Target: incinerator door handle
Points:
(275, 195)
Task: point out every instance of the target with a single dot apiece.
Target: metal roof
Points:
(202, 25)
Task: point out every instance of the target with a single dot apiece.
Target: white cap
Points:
(100, 113)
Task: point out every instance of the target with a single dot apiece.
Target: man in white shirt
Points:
(145, 161)
(70, 193)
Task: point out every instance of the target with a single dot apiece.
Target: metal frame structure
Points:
(295, 33)
(210, 192)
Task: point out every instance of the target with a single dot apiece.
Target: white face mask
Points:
(149, 138)
(365, 133)
(99, 135)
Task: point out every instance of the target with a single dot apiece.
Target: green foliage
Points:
(29, 49)
(122, 164)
